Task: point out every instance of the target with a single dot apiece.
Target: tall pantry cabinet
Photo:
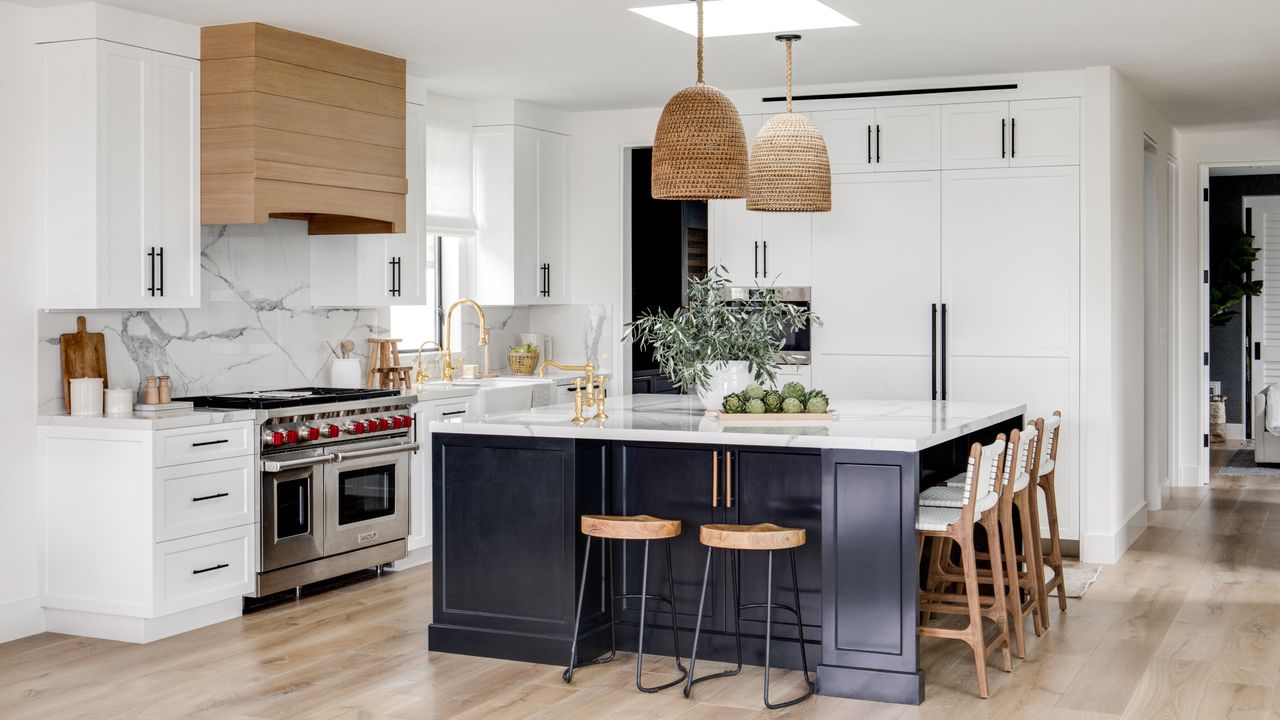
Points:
(949, 265)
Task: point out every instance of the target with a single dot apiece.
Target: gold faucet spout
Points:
(422, 375)
(448, 366)
(589, 369)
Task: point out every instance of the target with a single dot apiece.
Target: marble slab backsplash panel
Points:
(579, 333)
(255, 328)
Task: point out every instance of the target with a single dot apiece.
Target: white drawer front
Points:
(206, 568)
(207, 442)
(203, 497)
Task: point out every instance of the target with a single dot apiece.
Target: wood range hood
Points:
(298, 127)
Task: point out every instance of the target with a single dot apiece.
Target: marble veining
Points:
(255, 328)
(899, 426)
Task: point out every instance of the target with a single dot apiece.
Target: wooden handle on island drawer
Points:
(715, 478)
(728, 478)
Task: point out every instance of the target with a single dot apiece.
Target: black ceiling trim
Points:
(896, 93)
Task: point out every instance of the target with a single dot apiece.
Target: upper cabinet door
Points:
(908, 138)
(552, 264)
(734, 231)
(850, 138)
(975, 135)
(786, 249)
(126, 274)
(1044, 132)
(175, 166)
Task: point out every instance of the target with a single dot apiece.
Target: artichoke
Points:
(792, 405)
(773, 401)
(755, 406)
(815, 393)
(733, 403)
(753, 392)
(793, 389)
(816, 405)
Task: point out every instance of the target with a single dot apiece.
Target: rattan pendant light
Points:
(790, 170)
(699, 149)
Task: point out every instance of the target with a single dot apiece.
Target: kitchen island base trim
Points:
(124, 628)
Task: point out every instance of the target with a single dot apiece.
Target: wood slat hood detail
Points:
(299, 127)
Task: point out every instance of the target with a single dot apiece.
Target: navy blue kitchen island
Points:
(508, 491)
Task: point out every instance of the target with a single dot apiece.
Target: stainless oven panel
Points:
(366, 498)
(785, 294)
(292, 516)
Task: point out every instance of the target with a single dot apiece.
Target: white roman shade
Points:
(450, 209)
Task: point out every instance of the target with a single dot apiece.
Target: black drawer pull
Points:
(211, 442)
(455, 412)
(210, 497)
(219, 566)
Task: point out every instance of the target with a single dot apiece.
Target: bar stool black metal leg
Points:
(644, 596)
(737, 624)
(567, 676)
(697, 628)
(671, 595)
(768, 643)
(768, 629)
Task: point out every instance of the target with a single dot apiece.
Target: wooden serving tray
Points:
(771, 418)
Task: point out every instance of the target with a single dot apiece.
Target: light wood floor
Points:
(1187, 625)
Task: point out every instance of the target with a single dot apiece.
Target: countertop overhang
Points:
(889, 425)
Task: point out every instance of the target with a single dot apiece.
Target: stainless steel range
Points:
(334, 490)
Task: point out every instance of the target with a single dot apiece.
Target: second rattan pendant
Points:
(700, 148)
(790, 170)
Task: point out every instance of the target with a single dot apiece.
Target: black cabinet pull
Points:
(755, 259)
(868, 144)
(547, 293)
(160, 284)
(933, 351)
(219, 566)
(1013, 138)
(877, 143)
(766, 258)
(223, 441)
(1003, 123)
(1257, 351)
(944, 351)
(151, 255)
(455, 412)
(202, 498)
(394, 290)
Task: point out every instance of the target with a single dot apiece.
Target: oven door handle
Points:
(375, 452)
(278, 465)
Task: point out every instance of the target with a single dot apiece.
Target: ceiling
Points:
(1201, 63)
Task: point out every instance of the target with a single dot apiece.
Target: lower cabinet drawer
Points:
(203, 497)
(205, 442)
(206, 568)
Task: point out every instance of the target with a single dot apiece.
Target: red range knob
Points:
(273, 438)
(291, 436)
(408, 421)
(313, 433)
(383, 424)
(357, 428)
(397, 423)
(332, 431)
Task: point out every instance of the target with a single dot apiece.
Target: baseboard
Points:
(140, 630)
(21, 618)
(416, 557)
(1106, 548)
(1189, 476)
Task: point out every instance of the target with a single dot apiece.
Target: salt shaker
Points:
(165, 392)
(151, 393)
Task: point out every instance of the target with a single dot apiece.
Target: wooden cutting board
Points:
(84, 355)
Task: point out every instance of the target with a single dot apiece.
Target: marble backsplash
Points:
(255, 327)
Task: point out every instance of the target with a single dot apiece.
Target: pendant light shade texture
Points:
(790, 170)
(700, 148)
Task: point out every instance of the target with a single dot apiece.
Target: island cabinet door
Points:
(676, 482)
(784, 488)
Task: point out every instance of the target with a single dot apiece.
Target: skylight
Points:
(747, 17)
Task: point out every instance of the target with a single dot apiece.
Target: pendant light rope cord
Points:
(699, 41)
(789, 76)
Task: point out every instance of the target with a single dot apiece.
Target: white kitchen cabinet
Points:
(379, 269)
(1022, 133)
(850, 137)
(145, 533)
(908, 138)
(424, 413)
(734, 232)
(521, 180)
(122, 177)
(786, 249)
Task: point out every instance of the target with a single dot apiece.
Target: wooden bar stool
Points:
(630, 527)
(1020, 560)
(763, 537)
(940, 525)
(1051, 438)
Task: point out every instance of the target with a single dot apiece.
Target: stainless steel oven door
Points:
(367, 497)
(292, 516)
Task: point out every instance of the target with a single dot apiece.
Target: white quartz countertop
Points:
(158, 421)
(893, 425)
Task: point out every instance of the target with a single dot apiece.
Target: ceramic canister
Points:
(86, 397)
(119, 402)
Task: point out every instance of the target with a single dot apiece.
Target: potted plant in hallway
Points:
(715, 346)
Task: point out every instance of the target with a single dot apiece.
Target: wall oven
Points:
(795, 346)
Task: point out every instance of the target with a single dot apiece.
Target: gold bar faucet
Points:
(594, 389)
(448, 365)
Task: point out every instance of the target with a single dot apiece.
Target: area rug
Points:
(1078, 579)
(1241, 463)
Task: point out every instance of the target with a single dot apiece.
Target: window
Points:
(416, 324)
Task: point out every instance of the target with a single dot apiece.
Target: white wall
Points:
(20, 612)
(1116, 117)
(1202, 147)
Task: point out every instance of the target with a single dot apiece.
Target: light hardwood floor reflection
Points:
(1187, 625)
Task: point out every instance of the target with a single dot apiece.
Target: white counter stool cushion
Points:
(1049, 448)
(952, 496)
(955, 496)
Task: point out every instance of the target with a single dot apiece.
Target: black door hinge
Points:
(1206, 359)
(1206, 440)
(1206, 277)
(1206, 194)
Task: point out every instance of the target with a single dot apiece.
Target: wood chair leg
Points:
(969, 561)
(934, 570)
(1055, 542)
(989, 522)
(1030, 549)
(1036, 555)
(1013, 599)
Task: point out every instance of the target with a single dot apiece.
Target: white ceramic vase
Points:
(726, 377)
